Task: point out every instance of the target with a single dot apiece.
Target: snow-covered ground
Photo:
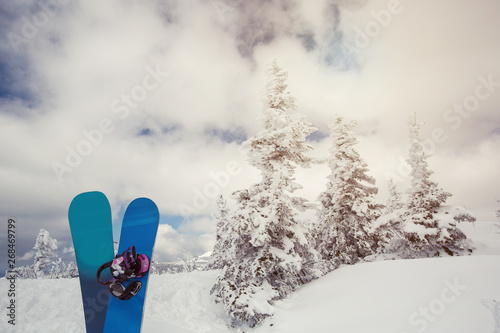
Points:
(454, 294)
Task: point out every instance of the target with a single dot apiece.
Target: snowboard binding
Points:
(125, 266)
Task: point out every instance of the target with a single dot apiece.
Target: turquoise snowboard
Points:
(91, 229)
(139, 227)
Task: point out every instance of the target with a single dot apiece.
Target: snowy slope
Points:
(440, 295)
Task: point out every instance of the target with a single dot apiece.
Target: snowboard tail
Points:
(89, 218)
(139, 227)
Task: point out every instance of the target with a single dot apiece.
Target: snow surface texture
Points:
(454, 294)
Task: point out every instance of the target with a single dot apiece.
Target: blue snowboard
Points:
(89, 218)
(139, 227)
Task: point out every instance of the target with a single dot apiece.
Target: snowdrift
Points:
(431, 295)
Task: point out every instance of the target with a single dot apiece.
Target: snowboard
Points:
(139, 227)
(89, 218)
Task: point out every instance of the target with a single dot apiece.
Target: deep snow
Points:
(453, 294)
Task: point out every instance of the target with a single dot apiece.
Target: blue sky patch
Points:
(237, 135)
(173, 220)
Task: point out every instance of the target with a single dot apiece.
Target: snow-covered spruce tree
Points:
(25, 272)
(394, 202)
(348, 206)
(71, 270)
(44, 245)
(423, 195)
(58, 268)
(428, 234)
(272, 253)
(222, 254)
(388, 227)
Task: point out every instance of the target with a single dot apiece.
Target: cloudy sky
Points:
(153, 98)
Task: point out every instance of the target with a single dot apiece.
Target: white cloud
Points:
(27, 256)
(172, 245)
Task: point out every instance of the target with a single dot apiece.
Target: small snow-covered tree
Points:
(498, 210)
(423, 195)
(25, 272)
(394, 202)
(427, 235)
(57, 269)
(71, 270)
(188, 264)
(388, 227)
(44, 245)
(271, 250)
(222, 254)
(348, 206)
